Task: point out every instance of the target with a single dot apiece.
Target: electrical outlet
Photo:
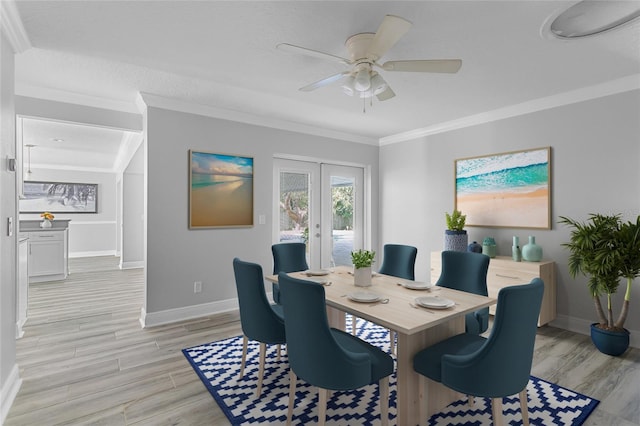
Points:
(197, 286)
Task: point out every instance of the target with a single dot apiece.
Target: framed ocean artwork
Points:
(220, 190)
(510, 189)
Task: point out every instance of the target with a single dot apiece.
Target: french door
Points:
(321, 205)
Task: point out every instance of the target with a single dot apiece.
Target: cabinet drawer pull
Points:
(507, 276)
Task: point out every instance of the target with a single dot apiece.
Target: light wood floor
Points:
(85, 360)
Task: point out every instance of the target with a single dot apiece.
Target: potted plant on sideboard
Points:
(455, 236)
(362, 261)
(606, 249)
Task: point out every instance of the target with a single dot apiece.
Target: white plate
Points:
(363, 296)
(434, 302)
(415, 285)
(319, 272)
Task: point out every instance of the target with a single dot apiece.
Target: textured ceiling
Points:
(222, 54)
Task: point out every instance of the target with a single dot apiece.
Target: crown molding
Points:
(12, 26)
(148, 99)
(56, 95)
(624, 84)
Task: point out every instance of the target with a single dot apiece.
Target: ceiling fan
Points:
(365, 50)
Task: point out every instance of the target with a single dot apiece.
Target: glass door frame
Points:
(283, 162)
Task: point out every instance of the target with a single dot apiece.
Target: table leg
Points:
(336, 318)
(409, 387)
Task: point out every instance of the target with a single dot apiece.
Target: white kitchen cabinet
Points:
(48, 255)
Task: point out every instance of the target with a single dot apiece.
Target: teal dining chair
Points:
(493, 367)
(467, 271)
(325, 357)
(260, 320)
(287, 257)
(398, 260)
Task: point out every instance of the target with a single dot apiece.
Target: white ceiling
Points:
(223, 54)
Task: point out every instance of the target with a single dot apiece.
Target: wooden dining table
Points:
(416, 328)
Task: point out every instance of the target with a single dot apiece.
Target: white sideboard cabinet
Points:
(504, 272)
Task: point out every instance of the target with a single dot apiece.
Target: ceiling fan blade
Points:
(324, 82)
(428, 65)
(387, 94)
(313, 53)
(390, 31)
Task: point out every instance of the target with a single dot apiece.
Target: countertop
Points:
(34, 225)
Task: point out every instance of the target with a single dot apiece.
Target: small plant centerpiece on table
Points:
(362, 261)
(455, 236)
(606, 250)
(47, 218)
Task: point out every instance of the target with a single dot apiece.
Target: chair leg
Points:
(354, 321)
(292, 395)
(245, 341)
(496, 409)
(392, 341)
(263, 351)
(470, 400)
(323, 395)
(523, 407)
(384, 400)
(279, 350)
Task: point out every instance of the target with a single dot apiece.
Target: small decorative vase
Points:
(362, 276)
(46, 224)
(516, 254)
(489, 247)
(474, 247)
(609, 342)
(455, 240)
(532, 252)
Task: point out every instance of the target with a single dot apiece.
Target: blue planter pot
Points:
(609, 342)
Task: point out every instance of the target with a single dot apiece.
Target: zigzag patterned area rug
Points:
(218, 366)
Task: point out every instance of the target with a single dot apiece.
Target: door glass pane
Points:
(294, 207)
(343, 206)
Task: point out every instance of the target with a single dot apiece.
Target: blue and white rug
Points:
(218, 366)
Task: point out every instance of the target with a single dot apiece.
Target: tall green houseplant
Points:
(606, 250)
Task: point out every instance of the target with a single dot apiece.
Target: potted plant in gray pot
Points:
(607, 250)
(455, 237)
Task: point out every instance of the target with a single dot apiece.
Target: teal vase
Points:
(532, 252)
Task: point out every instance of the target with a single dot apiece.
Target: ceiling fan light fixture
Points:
(378, 85)
(362, 80)
(349, 86)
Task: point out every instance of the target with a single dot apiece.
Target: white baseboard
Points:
(19, 330)
(92, 253)
(583, 327)
(153, 319)
(132, 265)
(9, 391)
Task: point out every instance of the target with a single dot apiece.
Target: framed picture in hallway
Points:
(220, 190)
(59, 197)
(510, 189)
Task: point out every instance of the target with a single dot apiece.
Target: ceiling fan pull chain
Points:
(364, 105)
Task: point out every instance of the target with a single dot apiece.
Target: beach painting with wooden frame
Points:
(220, 190)
(510, 189)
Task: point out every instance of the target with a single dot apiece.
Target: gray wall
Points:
(9, 380)
(133, 215)
(595, 154)
(177, 256)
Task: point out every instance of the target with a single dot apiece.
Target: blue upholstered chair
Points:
(398, 260)
(288, 257)
(325, 357)
(492, 367)
(260, 320)
(467, 271)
